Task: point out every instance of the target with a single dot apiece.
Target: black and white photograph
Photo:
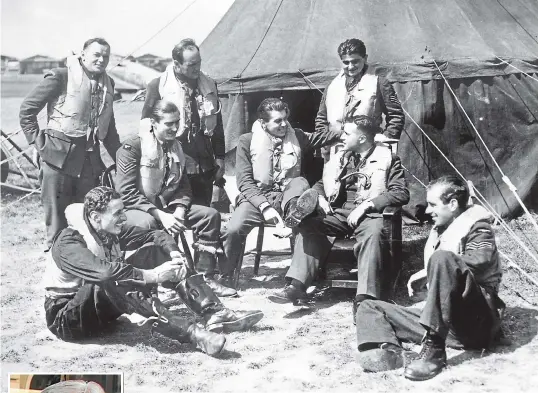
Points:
(269, 195)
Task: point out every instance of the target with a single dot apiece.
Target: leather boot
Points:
(206, 264)
(201, 300)
(166, 323)
(299, 209)
(431, 360)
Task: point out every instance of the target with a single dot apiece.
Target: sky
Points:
(57, 27)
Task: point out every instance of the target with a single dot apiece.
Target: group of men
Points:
(165, 177)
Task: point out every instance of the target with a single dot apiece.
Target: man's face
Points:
(277, 123)
(95, 58)
(353, 64)
(352, 137)
(192, 62)
(112, 219)
(166, 129)
(442, 214)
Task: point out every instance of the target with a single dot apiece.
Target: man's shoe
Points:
(290, 294)
(385, 358)
(219, 289)
(304, 206)
(227, 321)
(431, 360)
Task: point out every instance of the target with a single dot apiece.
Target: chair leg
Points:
(237, 270)
(187, 251)
(259, 248)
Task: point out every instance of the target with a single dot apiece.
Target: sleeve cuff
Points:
(380, 202)
(263, 205)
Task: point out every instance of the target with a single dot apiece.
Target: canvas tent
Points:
(287, 48)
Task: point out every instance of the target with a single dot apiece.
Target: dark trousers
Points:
(456, 309)
(204, 222)
(59, 191)
(202, 188)
(246, 216)
(371, 250)
(91, 309)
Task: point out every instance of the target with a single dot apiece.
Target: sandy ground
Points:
(289, 350)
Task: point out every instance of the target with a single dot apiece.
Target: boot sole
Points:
(285, 300)
(238, 325)
(425, 377)
(306, 204)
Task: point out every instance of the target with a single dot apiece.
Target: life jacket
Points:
(376, 168)
(59, 283)
(172, 89)
(361, 100)
(263, 161)
(70, 113)
(152, 167)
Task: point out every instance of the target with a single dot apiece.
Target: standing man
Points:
(357, 90)
(462, 306)
(80, 116)
(200, 132)
(358, 183)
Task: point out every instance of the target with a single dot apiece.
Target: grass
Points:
(287, 351)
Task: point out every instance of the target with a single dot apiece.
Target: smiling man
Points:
(200, 130)
(79, 118)
(462, 308)
(89, 282)
(357, 90)
(358, 183)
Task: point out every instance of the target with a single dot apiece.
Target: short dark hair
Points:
(454, 188)
(98, 198)
(185, 44)
(365, 123)
(99, 40)
(269, 105)
(352, 46)
(162, 107)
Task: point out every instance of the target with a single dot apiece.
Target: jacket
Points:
(248, 186)
(200, 150)
(78, 256)
(394, 192)
(383, 100)
(177, 191)
(59, 150)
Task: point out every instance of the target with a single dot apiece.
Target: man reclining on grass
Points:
(462, 308)
(89, 283)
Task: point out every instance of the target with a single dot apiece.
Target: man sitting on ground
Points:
(89, 283)
(462, 308)
(269, 176)
(358, 183)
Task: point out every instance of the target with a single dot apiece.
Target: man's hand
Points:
(36, 158)
(325, 205)
(357, 213)
(172, 271)
(170, 222)
(421, 274)
(271, 216)
(220, 172)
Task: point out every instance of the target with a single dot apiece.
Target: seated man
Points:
(89, 283)
(269, 176)
(154, 186)
(359, 181)
(462, 308)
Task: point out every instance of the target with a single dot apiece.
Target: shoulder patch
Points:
(127, 147)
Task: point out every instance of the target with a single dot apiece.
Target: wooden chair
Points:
(392, 222)
(231, 189)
